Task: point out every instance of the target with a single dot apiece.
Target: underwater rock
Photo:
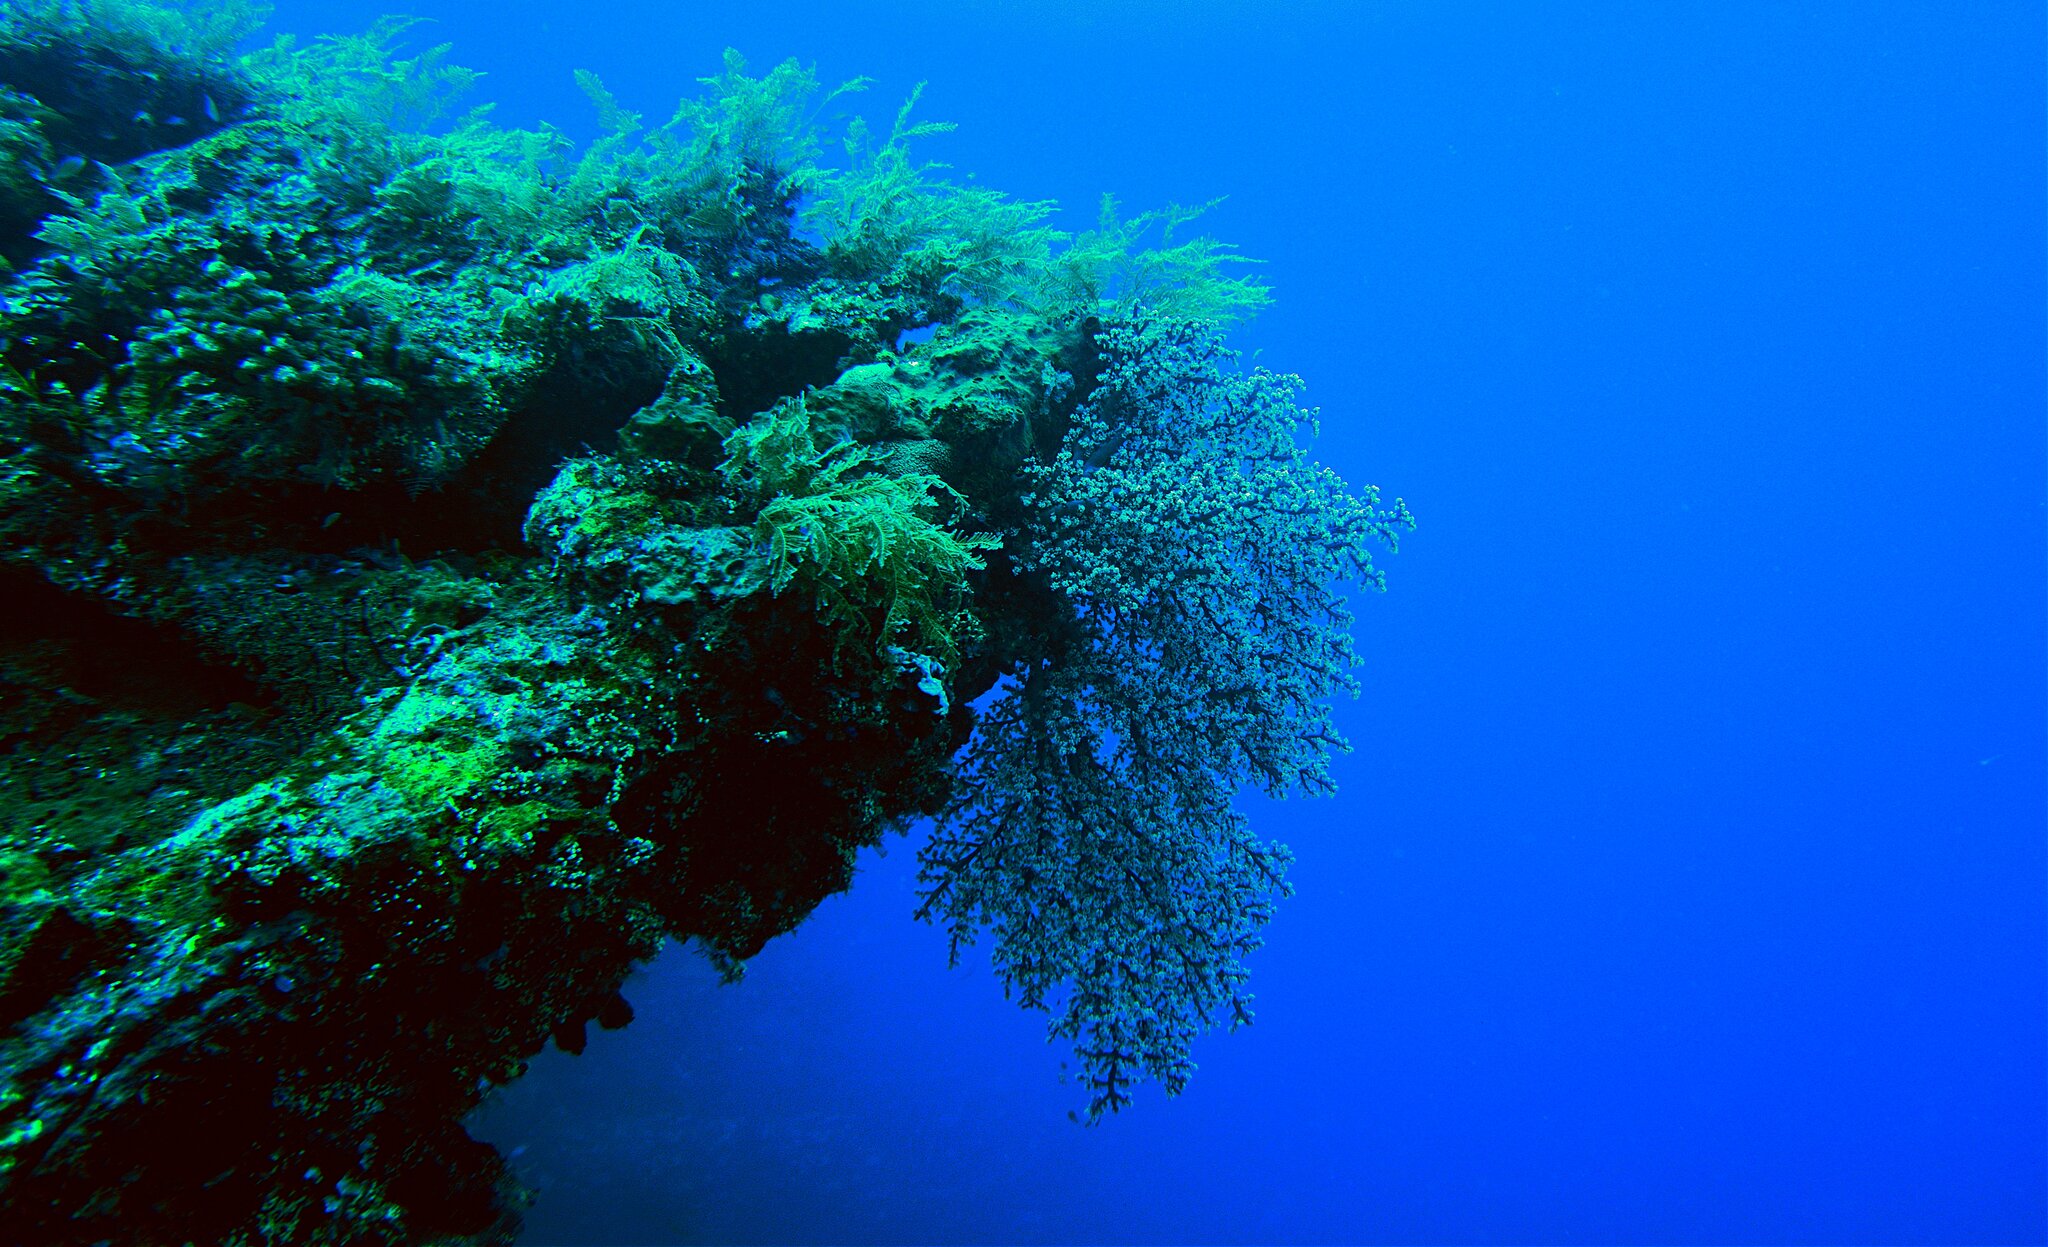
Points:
(462, 565)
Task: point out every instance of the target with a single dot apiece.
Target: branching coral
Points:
(1192, 638)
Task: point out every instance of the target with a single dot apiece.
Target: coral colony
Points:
(443, 565)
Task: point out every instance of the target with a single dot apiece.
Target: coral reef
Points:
(445, 565)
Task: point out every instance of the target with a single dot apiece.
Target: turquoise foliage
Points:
(1195, 552)
(455, 562)
(208, 338)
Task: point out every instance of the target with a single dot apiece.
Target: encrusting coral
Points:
(445, 565)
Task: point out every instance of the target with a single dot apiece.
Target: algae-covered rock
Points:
(449, 565)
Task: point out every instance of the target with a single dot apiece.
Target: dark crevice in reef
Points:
(54, 949)
(95, 102)
(755, 369)
(484, 506)
(112, 725)
(115, 662)
(110, 103)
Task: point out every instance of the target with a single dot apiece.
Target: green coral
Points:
(918, 240)
(862, 544)
(1109, 270)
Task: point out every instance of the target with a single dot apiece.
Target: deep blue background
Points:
(1687, 884)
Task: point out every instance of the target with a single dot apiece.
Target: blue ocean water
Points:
(1687, 883)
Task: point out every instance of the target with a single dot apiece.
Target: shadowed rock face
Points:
(329, 798)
